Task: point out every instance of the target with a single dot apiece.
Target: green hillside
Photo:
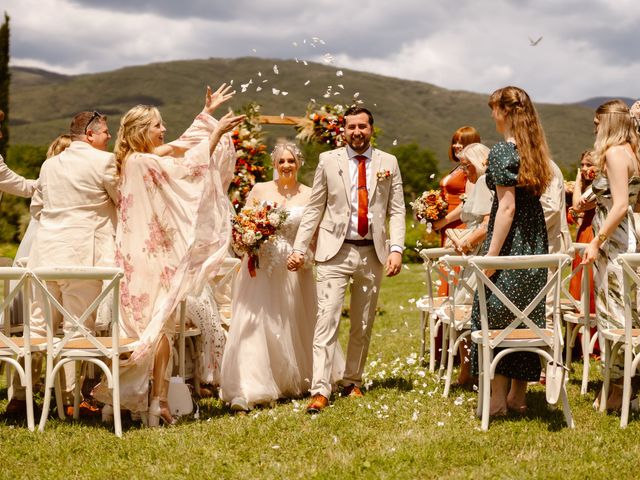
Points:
(42, 103)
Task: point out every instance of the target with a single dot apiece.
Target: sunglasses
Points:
(95, 115)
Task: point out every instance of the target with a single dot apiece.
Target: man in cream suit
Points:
(355, 190)
(74, 201)
(10, 181)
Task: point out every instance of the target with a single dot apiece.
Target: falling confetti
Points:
(275, 91)
(339, 73)
(356, 95)
(432, 176)
(284, 93)
(258, 88)
(275, 69)
(307, 83)
(395, 141)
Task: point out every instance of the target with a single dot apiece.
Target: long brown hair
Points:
(615, 127)
(464, 136)
(133, 134)
(521, 119)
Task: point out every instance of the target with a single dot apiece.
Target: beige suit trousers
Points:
(361, 266)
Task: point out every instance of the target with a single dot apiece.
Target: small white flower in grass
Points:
(421, 373)
(458, 401)
(335, 440)
(339, 73)
(412, 300)
(440, 424)
(414, 417)
(275, 91)
(275, 69)
(395, 330)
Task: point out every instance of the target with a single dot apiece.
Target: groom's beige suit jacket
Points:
(329, 207)
(74, 201)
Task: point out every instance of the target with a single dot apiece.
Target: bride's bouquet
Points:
(429, 207)
(253, 226)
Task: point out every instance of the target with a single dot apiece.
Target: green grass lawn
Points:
(402, 428)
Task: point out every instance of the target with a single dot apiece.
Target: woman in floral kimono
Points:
(172, 235)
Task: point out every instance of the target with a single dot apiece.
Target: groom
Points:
(355, 189)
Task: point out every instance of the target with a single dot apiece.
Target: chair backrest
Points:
(460, 282)
(110, 278)
(581, 304)
(431, 257)
(630, 263)
(554, 262)
(15, 281)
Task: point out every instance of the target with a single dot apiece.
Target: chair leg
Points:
(77, 390)
(606, 377)
(586, 341)
(569, 344)
(28, 390)
(480, 382)
(445, 352)
(626, 389)
(423, 336)
(450, 359)
(486, 389)
(117, 420)
(432, 343)
(49, 385)
(566, 409)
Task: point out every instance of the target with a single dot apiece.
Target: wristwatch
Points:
(602, 237)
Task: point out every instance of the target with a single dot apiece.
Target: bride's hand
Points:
(213, 100)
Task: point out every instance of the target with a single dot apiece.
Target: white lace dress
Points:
(269, 348)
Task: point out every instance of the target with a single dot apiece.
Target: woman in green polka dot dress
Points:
(519, 172)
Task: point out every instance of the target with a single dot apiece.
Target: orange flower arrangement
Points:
(253, 226)
(429, 207)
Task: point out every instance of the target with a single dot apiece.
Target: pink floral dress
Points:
(172, 235)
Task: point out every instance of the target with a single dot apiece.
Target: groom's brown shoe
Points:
(318, 403)
(352, 391)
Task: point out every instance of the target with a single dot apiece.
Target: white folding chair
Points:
(79, 344)
(577, 317)
(627, 338)
(455, 317)
(545, 342)
(13, 348)
(429, 303)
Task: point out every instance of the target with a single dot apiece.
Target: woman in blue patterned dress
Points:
(519, 172)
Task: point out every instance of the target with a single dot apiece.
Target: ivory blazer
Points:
(13, 183)
(329, 207)
(75, 202)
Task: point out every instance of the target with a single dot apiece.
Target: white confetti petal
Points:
(275, 447)
(282, 115)
(432, 175)
(254, 50)
(275, 69)
(356, 95)
(305, 62)
(275, 91)
(258, 88)
(395, 141)
(295, 44)
(441, 424)
(285, 93)
(341, 86)
(339, 73)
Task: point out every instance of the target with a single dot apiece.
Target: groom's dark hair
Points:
(355, 110)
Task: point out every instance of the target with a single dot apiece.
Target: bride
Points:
(268, 354)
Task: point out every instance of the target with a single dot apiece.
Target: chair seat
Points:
(462, 314)
(617, 334)
(126, 344)
(191, 331)
(423, 303)
(516, 337)
(37, 344)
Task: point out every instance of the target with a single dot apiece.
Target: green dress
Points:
(607, 275)
(527, 236)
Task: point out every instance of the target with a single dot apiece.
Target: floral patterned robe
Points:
(172, 236)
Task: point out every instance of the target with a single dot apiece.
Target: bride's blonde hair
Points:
(522, 120)
(133, 134)
(284, 146)
(615, 127)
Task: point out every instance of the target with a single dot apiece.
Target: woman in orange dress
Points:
(583, 216)
(454, 183)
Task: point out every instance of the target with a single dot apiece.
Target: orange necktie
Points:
(363, 196)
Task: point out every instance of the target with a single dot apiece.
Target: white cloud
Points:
(589, 47)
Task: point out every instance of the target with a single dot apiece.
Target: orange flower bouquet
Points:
(253, 226)
(429, 207)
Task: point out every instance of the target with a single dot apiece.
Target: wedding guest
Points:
(474, 212)
(355, 190)
(584, 213)
(616, 187)
(635, 115)
(269, 350)
(173, 233)
(74, 203)
(519, 172)
(10, 181)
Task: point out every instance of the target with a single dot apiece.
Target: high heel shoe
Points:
(159, 412)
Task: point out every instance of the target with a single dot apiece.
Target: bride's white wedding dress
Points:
(269, 348)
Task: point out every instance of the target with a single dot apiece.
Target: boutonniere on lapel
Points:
(383, 175)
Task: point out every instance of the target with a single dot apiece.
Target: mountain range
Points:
(42, 103)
